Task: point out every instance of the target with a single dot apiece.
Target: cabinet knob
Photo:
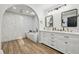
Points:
(66, 36)
(66, 42)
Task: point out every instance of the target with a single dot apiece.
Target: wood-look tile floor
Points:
(26, 46)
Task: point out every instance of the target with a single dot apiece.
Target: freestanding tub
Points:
(32, 35)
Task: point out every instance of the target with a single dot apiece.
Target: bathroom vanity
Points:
(65, 42)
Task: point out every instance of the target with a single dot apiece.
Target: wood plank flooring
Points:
(26, 46)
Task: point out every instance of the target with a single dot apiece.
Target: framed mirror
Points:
(69, 18)
(49, 21)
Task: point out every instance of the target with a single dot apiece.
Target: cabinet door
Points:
(62, 41)
(73, 45)
(61, 46)
(59, 43)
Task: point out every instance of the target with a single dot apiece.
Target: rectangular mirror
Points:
(69, 18)
(49, 21)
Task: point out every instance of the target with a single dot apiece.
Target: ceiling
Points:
(21, 9)
(25, 10)
(43, 6)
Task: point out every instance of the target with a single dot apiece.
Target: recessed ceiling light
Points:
(32, 13)
(27, 11)
(14, 7)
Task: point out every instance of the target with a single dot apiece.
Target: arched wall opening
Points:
(12, 23)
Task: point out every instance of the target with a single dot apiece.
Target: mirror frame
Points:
(65, 12)
(51, 17)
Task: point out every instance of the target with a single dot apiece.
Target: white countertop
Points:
(76, 33)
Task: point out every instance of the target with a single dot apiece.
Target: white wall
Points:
(57, 16)
(29, 23)
(39, 8)
(2, 10)
(15, 25)
(36, 24)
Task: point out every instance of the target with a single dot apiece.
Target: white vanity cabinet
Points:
(47, 38)
(63, 42)
(73, 44)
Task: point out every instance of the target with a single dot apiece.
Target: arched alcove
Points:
(14, 22)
